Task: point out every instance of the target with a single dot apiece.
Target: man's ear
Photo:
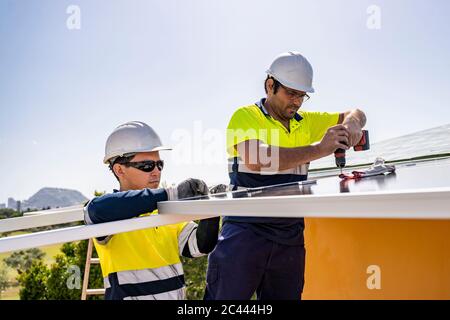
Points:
(118, 170)
(269, 85)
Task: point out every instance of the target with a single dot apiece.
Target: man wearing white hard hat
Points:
(145, 264)
(267, 255)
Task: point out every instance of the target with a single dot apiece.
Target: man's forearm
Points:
(289, 158)
(123, 205)
(273, 158)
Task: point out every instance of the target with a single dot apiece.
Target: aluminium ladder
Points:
(89, 260)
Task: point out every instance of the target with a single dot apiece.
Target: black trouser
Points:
(244, 262)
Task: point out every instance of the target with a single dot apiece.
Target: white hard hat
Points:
(132, 137)
(292, 70)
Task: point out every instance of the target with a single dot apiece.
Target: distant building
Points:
(18, 208)
(2, 206)
(12, 204)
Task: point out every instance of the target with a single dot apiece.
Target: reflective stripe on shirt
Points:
(148, 284)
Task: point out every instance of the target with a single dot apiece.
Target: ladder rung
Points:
(91, 292)
(89, 260)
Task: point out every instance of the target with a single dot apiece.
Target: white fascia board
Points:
(42, 218)
(45, 238)
(407, 204)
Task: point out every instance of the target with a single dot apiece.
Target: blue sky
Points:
(181, 65)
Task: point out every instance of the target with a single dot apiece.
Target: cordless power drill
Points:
(362, 145)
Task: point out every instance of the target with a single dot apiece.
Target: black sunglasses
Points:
(146, 166)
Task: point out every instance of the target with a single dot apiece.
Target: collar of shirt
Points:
(261, 106)
(293, 123)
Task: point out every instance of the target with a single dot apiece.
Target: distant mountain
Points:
(53, 198)
(427, 142)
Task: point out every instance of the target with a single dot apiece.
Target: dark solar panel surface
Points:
(408, 176)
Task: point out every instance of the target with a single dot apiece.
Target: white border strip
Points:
(45, 238)
(42, 218)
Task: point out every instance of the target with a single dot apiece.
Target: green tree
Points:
(6, 214)
(23, 259)
(195, 275)
(66, 274)
(9, 213)
(64, 278)
(4, 281)
(59, 283)
(33, 282)
(99, 193)
(69, 249)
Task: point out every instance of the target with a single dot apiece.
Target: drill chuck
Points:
(362, 145)
(340, 158)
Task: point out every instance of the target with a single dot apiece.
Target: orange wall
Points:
(413, 257)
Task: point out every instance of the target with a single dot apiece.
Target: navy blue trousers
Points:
(244, 262)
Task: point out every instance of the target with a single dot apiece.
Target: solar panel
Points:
(432, 141)
(408, 176)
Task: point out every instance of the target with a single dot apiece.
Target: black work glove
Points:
(219, 188)
(187, 189)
